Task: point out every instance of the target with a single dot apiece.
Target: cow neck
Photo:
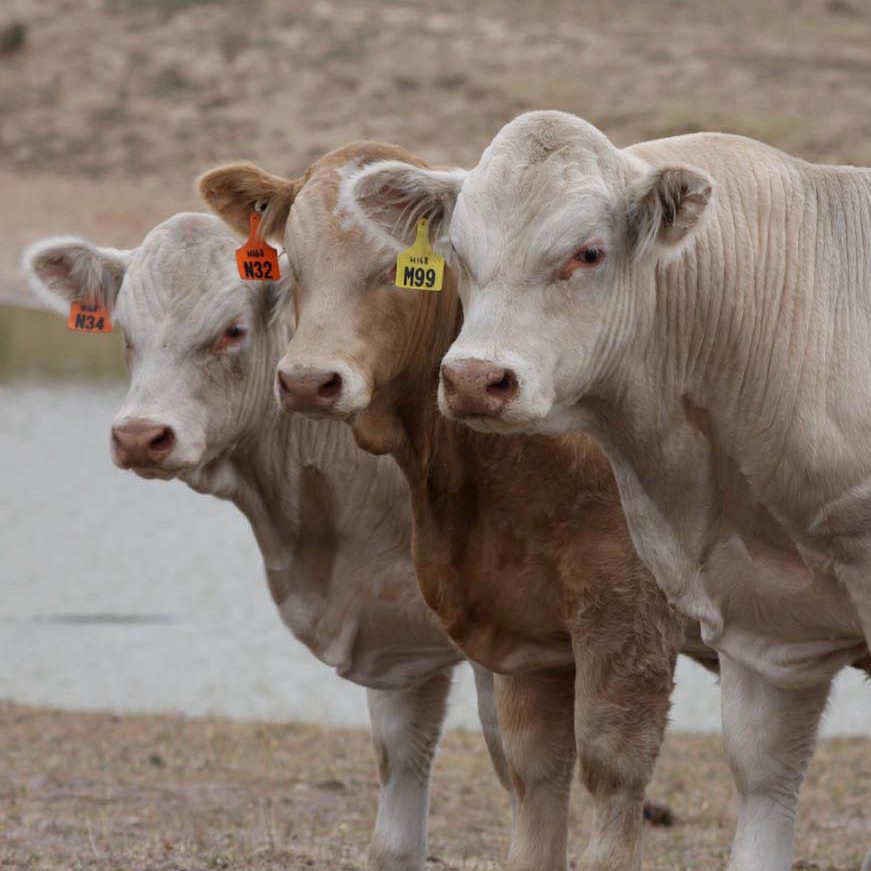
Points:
(409, 424)
(437, 455)
(305, 486)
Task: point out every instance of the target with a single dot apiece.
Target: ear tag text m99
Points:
(89, 318)
(419, 267)
(257, 260)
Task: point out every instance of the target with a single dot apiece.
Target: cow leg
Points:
(406, 725)
(621, 713)
(769, 734)
(535, 715)
(489, 718)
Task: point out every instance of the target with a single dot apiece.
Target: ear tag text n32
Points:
(419, 267)
(89, 318)
(257, 260)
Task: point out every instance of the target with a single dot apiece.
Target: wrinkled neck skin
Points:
(333, 526)
(734, 423)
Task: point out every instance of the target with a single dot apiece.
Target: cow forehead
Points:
(543, 172)
(320, 238)
(523, 212)
(186, 263)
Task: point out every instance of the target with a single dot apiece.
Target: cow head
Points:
(196, 338)
(555, 238)
(357, 335)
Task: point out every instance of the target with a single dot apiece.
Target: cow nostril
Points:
(503, 387)
(449, 380)
(331, 387)
(163, 441)
(282, 384)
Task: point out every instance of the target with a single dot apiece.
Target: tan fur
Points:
(235, 190)
(520, 544)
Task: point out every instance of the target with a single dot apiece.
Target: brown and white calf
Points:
(701, 306)
(332, 521)
(520, 544)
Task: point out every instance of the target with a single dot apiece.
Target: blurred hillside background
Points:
(124, 594)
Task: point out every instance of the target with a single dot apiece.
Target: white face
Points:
(539, 254)
(195, 341)
(554, 237)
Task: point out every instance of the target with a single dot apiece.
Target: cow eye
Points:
(590, 255)
(233, 335)
(586, 257)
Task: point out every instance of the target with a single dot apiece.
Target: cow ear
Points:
(65, 268)
(234, 191)
(666, 207)
(388, 198)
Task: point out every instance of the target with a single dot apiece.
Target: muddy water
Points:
(144, 596)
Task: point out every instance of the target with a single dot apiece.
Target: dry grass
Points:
(116, 87)
(96, 791)
(110, 108)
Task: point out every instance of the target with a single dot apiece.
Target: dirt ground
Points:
(136, 793)
(110, 108)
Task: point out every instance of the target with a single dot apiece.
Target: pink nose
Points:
(142, 443)
(476, 387)
(305, 388)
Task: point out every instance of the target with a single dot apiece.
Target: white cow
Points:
(715, 336)
(332, 522)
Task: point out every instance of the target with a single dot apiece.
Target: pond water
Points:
(139, 595)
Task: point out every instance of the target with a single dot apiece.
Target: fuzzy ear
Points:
(233, 192)
(65, 268)
(667, 206)
(387, 199)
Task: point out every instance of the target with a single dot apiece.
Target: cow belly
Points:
(769, 611)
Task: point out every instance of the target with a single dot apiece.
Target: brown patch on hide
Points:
(317, 524)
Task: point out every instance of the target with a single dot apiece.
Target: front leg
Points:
(535, 715)
(770, 735)
(406, 725)
(622, 698)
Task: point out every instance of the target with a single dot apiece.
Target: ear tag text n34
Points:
(419, 267)
(89, 318)
(257, 260)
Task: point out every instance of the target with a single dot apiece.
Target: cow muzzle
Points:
(476, 388)
(308, 389)
(142, 444)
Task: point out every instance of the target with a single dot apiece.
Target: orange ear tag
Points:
(257, 259)
(89, 318)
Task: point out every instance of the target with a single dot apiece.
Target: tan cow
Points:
(520, 544)
(701, 305)
(332, 522)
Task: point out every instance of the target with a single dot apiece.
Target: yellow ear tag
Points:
(419, 267)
